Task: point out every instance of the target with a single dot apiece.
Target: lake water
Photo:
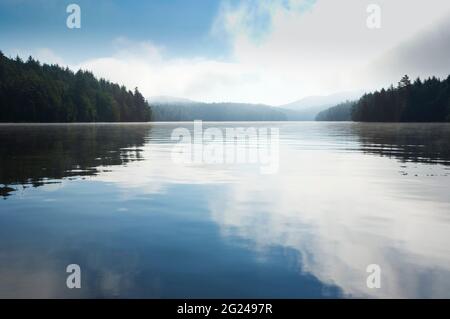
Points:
(110, 198)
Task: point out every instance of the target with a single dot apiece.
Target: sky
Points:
(255, 51)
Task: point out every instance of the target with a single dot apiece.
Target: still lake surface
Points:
(110, 198)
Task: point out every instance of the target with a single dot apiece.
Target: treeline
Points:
(340, 112)
(35, 92)
(176, 111)
(420, 101)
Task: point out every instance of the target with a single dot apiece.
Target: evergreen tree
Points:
(35, 92)
(420, 101)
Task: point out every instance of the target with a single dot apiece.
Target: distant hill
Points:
(165, 99)
(321, 102)
(340, 112)
(175, 109)
(308, 108)
(306, 114)
(166, 108)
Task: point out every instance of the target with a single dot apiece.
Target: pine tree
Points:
(35, 92)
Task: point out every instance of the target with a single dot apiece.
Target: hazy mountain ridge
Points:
(167, 108)
(340, 112)
(322, 101)
(167, 99)
(186, 110)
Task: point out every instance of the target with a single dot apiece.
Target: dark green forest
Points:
(215, 112)
(340, 112)
(35, 92)
(420, 101)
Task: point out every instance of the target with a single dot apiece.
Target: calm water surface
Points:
(110, 198)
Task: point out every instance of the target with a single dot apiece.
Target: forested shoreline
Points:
(35, 92)
(338, 113)
(418, 101)
(174, 112)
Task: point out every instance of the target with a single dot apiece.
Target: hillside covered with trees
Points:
(35, 92)
(340, 112)
(420, 101)
(189, 111)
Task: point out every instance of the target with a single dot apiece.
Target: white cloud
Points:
(280, 51)
(144, 65)
(334, 219)
(323, 49)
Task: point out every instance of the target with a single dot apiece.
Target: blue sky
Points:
(256, 51)
(179, 25)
